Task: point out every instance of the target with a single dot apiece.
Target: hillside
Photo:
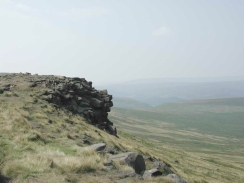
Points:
(57, 129)
(222, 105)
(50, 134)
(208, 134)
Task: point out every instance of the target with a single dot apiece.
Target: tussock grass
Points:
(122, 166)
(44, 160)
(37, 150)
(84, 163)
(39, 116)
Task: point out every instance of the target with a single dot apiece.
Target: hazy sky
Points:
(112, 40)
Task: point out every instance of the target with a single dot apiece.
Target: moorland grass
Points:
(39, 143)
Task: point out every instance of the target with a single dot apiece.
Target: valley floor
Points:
(196, 148)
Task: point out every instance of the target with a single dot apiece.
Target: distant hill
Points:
(129, 103)
(220, 117)
(224, 105)
(158, 91)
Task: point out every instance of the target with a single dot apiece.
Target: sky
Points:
(113, 41)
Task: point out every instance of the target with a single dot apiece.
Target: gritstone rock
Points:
(78, 96)
(135, 160)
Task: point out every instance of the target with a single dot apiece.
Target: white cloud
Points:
(20, 6)
(24, 7)
(82, 13)
(161, 31)
(73, 13)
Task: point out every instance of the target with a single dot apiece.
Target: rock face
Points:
(78, 96)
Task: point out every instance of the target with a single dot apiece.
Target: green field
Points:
(209, 130)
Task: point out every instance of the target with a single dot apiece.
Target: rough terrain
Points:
(56, 129)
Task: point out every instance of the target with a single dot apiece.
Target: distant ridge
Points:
(220, 105)
(158, 91)
(186, 79)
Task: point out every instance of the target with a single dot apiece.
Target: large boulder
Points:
(133, 159)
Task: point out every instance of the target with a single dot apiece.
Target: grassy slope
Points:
(222, 117)
(210, 133)
(40, 143)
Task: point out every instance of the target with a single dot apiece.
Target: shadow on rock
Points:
(4, 179)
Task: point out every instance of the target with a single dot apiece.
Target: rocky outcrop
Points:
(78, 95)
